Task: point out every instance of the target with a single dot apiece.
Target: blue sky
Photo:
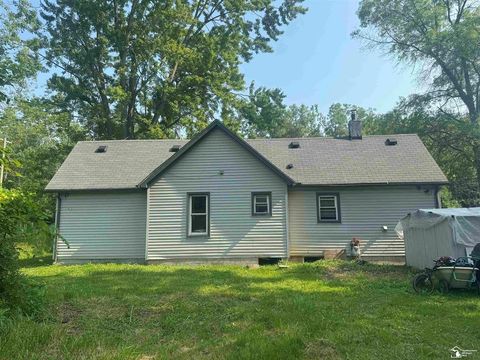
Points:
(316, 61)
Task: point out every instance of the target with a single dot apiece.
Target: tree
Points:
(41, 139)
(264, 114)
(303, 121)
(441, 38)
(145, 68)
(18, 61)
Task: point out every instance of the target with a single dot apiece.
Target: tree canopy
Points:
(265, 114)
(144, 68)
(441, 39)
(18, 58)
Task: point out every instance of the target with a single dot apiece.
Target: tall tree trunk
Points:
(476, 152)
(130, 122)
(130, 105)
(108, 117)
(476, 147)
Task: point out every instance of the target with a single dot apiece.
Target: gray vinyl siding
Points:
(102, 225)
(234, 232)
(363, 213)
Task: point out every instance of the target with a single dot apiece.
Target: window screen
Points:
(328, 207)
(261, 203)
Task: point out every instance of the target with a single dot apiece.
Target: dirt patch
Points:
(321, 349)
(69, 315)
(368, 272)
(147, 313)
(339, 275)
(184, 349)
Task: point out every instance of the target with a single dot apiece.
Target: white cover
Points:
(464, 222)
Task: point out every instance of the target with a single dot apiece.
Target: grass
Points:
(324, 310)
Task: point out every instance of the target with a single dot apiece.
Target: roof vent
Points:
(101, 149)
(290, 166)
(294, 145)
(174, 148)
(391, 142)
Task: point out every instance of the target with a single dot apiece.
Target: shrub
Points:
(18, 213)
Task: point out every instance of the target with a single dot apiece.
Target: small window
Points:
(328, 207)
(262, 203)
(198, 214)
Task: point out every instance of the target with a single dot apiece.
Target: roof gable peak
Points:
(216, 124)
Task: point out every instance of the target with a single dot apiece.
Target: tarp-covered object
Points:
(431, 233)
(464, 222)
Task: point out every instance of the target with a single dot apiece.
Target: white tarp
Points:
(464, 222)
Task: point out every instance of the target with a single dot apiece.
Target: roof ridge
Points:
(133, 140)
(256, 139)
(329, 137)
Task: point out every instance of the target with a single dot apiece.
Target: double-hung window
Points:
(328, 207)
(198, 214)
(261, 203)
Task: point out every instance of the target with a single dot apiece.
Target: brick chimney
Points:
(354, 126)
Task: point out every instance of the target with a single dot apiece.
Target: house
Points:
(220, 197)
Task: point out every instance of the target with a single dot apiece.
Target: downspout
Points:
(58, 206)
(436, 194)
(147, 221)
(286, 224)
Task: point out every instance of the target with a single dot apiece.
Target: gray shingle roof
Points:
(330, 161)
(122, 166)
(318, 161)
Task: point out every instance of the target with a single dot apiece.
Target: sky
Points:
(316, 61)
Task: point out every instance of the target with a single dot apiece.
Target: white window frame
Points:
(206, 214)
(336, 199)
(268, 196)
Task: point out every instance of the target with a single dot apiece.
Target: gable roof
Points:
(128, 164)
(199, 137)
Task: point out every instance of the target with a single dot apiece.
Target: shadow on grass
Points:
(35, 261)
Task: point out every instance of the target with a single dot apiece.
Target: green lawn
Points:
(324, 310)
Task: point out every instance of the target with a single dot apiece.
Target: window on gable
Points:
(198, 214)
(261, 203)
(328, 207)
